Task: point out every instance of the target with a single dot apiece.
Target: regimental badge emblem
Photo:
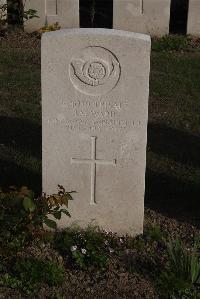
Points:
(94, 71)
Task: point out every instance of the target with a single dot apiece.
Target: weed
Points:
(27, 274)
(22, 216)
(86, 248)
(138, 244)
(154, 234)
(171, 43)
(9, 280)
(182, 272)
(21, 212)
(48, 28)
(39, 271)
(197, 242)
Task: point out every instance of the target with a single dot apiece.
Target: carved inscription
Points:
(93, 116)
(94, 71)
(93, 162)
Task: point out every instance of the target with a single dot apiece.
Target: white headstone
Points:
(144, 16)
(2, 2)
(3, 12)
(95, 86)
(193, 23)
(65, 12)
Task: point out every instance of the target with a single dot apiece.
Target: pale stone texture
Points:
(65, 12)
(193, 24)
(144, 16)
(95, 86)
(2, 2)
(3, 14)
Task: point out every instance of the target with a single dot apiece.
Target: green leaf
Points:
(65, 212)
(50, 223)
(57, 215)
(69, 197)
(29, 204)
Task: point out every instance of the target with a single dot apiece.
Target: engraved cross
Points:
(93, 162)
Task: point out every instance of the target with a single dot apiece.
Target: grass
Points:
(20, 117)
(173, 160)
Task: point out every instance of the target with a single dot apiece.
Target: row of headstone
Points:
(144, 16)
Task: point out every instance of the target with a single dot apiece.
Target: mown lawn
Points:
(173, 152)
(173, 160)
(20, 115)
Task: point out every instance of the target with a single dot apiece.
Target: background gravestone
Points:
(3, 14)
(65, 12)
(145, 16)
(95, 85)
(193, 25)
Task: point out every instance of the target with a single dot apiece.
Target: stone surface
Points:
(2, 2)
(65, 12)
(193, 24)
(144, 16)
(3, 12)
(95, 85)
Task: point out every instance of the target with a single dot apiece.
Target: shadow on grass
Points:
(21, 133)
(12, 174)
(175, 197)
(177, 145)
(172, 197)
(23, 136)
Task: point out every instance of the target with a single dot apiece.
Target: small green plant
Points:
(22, 216)
(20, 211)
(85, 248)
(137, 243)
(18, 8)
(185, 264)
(154, 234)
(9, 280)
(14, 12)
(197, 242)
(39, 271)
(48, 28)
(29, 14)
(27, 274)
(182, 272)
(170, 43)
